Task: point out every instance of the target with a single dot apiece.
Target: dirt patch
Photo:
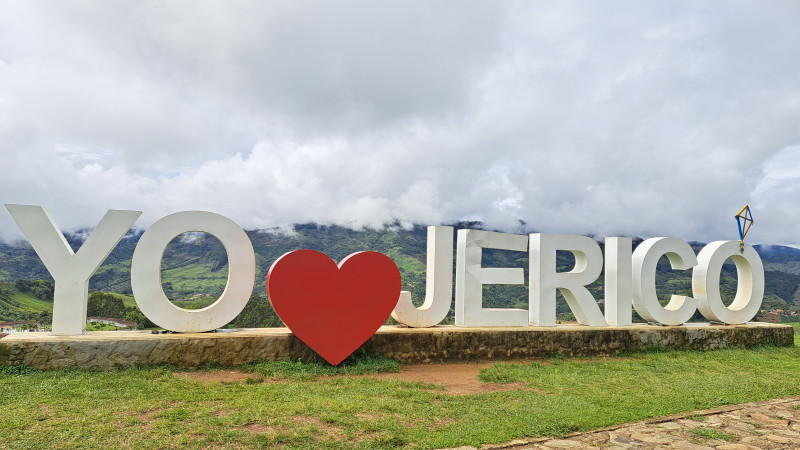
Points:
(149, 416)
(441, 423)
(369, 417)
(260, 428)
(456, 378)
(332, 431)
(217, 376)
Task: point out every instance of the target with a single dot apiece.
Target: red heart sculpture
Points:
(333, 309)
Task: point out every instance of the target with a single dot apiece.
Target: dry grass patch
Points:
(331, 431)
(456, 378)
(148, 417)
(216, 376)
(260, 428)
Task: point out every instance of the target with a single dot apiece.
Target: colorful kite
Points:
(745, 220)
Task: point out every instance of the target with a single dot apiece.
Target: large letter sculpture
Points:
(619, 282)
(71, 271)
(438, 284)
(749, 292)
(470, 278)
(315, 295)
(146, 272)
(572, 285)
(645, 299)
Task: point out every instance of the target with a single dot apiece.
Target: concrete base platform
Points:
(118, 349)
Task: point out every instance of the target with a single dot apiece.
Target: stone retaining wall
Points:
(117, 349)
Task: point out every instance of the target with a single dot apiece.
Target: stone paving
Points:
(773, 424)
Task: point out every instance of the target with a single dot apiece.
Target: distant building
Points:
(17, 326)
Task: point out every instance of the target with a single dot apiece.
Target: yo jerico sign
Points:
(310, 292)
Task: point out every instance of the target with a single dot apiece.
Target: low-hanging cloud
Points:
(620, 118)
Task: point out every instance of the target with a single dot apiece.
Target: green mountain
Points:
(194, 270)
(26, 300)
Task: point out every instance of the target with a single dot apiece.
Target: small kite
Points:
(745, 220)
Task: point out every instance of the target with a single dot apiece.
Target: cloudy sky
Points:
(605, 118)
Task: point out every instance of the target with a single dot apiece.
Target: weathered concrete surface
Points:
(116, 349)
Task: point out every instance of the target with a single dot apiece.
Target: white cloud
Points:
(620, 118)
(776, 198)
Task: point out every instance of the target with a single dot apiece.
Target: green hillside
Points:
(783, 263)
(26, 300)
(127, 300)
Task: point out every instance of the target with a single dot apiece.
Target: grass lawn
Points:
(301, 405)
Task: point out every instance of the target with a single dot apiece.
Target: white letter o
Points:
(706, 278)
(146, 272)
